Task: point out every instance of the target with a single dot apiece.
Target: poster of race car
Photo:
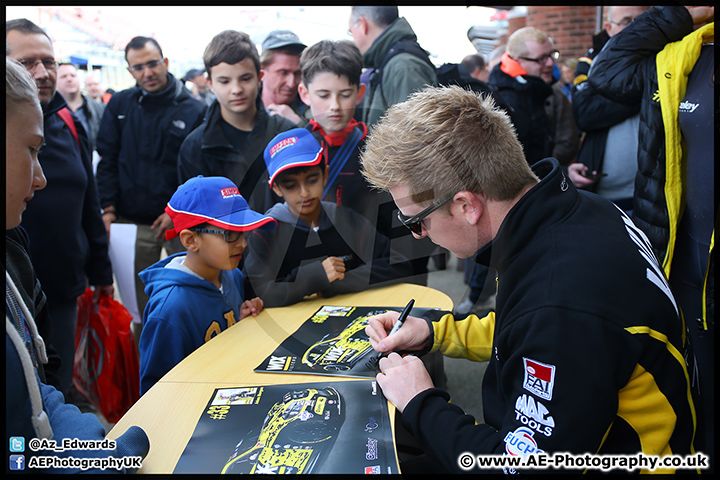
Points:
(331, 342)
(340, 427)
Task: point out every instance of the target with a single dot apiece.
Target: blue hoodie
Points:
(184, 311)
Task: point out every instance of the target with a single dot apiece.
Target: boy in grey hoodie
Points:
(318, 247)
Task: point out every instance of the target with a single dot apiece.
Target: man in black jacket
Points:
(586, 343)
(68, 245)
(138, 142)
(665, 60)
(523, 78)
(607, 161)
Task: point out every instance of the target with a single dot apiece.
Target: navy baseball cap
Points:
(292, 148)
(213, 200)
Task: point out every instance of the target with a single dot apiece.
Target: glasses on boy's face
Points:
(415, 223)
(230, 236)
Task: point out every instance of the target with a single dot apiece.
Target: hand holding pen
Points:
(414, 334)
(399, 322)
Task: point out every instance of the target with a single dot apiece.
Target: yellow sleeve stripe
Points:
(676, 354)
(469, 338)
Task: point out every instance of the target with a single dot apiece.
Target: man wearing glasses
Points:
(68, 245)
(585, 345)
(607, 161)
(523, 77)
(542, 117)
(139, 142)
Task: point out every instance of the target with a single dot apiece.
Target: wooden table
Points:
(170, 410)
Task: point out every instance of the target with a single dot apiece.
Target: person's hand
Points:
(402, 378)
(251, 307)
(284, 111)
(108, 219)
(701, 14)
(576, 171)
(108, 290)
(334, 268)
(413, 335)
(162, 223)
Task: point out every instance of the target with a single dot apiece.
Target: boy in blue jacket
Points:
(195, 295)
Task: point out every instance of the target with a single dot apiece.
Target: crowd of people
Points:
(569, 189)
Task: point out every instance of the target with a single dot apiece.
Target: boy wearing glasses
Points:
(318, 247)
(195, 295)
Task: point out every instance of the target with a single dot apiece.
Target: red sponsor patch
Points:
(229, 192)
(282, 144)
(539, 378)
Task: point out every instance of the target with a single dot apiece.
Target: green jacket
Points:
(403, 74)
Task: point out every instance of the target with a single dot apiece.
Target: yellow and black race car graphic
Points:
(294, 434)
(341, 352)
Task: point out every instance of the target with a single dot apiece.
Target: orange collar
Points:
(511, 66)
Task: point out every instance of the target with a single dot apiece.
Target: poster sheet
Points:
(331, 342)
(338, 427)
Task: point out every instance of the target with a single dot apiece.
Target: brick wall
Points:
(570, 27)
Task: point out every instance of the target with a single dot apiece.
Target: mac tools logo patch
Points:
(534, 414)
(539, 378)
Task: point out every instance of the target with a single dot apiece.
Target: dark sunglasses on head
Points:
(415, 223)
(230, 236)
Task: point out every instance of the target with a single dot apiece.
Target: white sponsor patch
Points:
(521, 442)
(539, 378)
(534, 415)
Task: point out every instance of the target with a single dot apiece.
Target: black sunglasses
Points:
(415, 223)
(230, 236)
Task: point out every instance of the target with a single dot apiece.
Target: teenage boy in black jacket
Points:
(231, 140)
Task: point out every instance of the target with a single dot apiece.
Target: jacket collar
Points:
(540, 209)
(338, 138)
(511, 66)
(530, 84)
(171, 93)
(213, 135)
(56, 104)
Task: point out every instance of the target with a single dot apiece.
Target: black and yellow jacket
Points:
(663, 49)
(585, 347)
